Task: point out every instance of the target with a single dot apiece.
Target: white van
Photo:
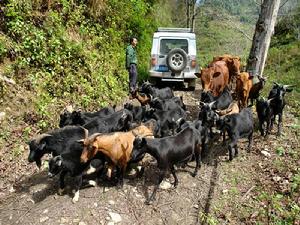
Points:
(173, 56)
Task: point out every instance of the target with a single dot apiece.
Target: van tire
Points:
(177, 60)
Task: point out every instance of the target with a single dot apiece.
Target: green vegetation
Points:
(72, 52)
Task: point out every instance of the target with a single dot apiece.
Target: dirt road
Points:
(34, 200)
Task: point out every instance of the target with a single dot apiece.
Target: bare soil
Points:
(221, 188)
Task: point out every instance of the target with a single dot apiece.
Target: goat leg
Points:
(279, 124)
(161, 176)
(78, 185)
(261, 128)
(250, 138)
(236, 151)
(198, 159)
(62, 182)
(174, 175)
(118, 177)
(224, 135)
(231, 148)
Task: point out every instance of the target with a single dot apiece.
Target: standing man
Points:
(131, 64)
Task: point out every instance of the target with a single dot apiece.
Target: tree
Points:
(262, 36)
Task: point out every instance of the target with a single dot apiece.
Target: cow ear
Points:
(216, 74)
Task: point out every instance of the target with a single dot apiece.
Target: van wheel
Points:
(177, 60)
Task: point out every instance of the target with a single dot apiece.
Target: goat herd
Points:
(109, 141)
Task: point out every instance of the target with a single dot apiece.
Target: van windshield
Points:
(167, 44)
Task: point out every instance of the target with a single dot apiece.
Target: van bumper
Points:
(173, 76)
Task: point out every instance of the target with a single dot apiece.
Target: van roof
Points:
(174, 34)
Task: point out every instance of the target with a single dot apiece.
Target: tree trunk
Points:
(193, 15)
(188, 19)
(262, 36)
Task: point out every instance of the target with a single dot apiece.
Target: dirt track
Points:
(35, 199)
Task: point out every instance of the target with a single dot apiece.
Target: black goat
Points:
(220, 102)
(69, 162)
(81, 118)
(264, 114)
(237, 126)
(163, 93)
(169, 151)
(277, 104)
(167, 104)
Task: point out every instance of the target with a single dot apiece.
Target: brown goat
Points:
(232, 108)
(116, 146)
(142, 98)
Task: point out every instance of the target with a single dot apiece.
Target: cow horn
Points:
(40, 137)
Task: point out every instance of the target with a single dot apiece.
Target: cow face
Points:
(234, 65)
(206, 77)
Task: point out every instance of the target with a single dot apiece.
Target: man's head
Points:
(133, 41)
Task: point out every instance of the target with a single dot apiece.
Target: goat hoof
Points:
(119, 186)
(194, 174)
(148, 202)
(60, 191)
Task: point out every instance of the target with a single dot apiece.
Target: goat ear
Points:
(144, 141)
(42, 145)
(80, 141)
(58, 160)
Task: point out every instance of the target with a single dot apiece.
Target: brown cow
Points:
(233, 63)
(244, 84)
(215, 78)
(247, 88)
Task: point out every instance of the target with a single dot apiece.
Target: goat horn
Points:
(86, 133)
(202, 103)
(69, 108)
(151, 97)
(40, 137)
(211, 104)
(269, 100)
(134, 133)
(288, 86)
(276, 83)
